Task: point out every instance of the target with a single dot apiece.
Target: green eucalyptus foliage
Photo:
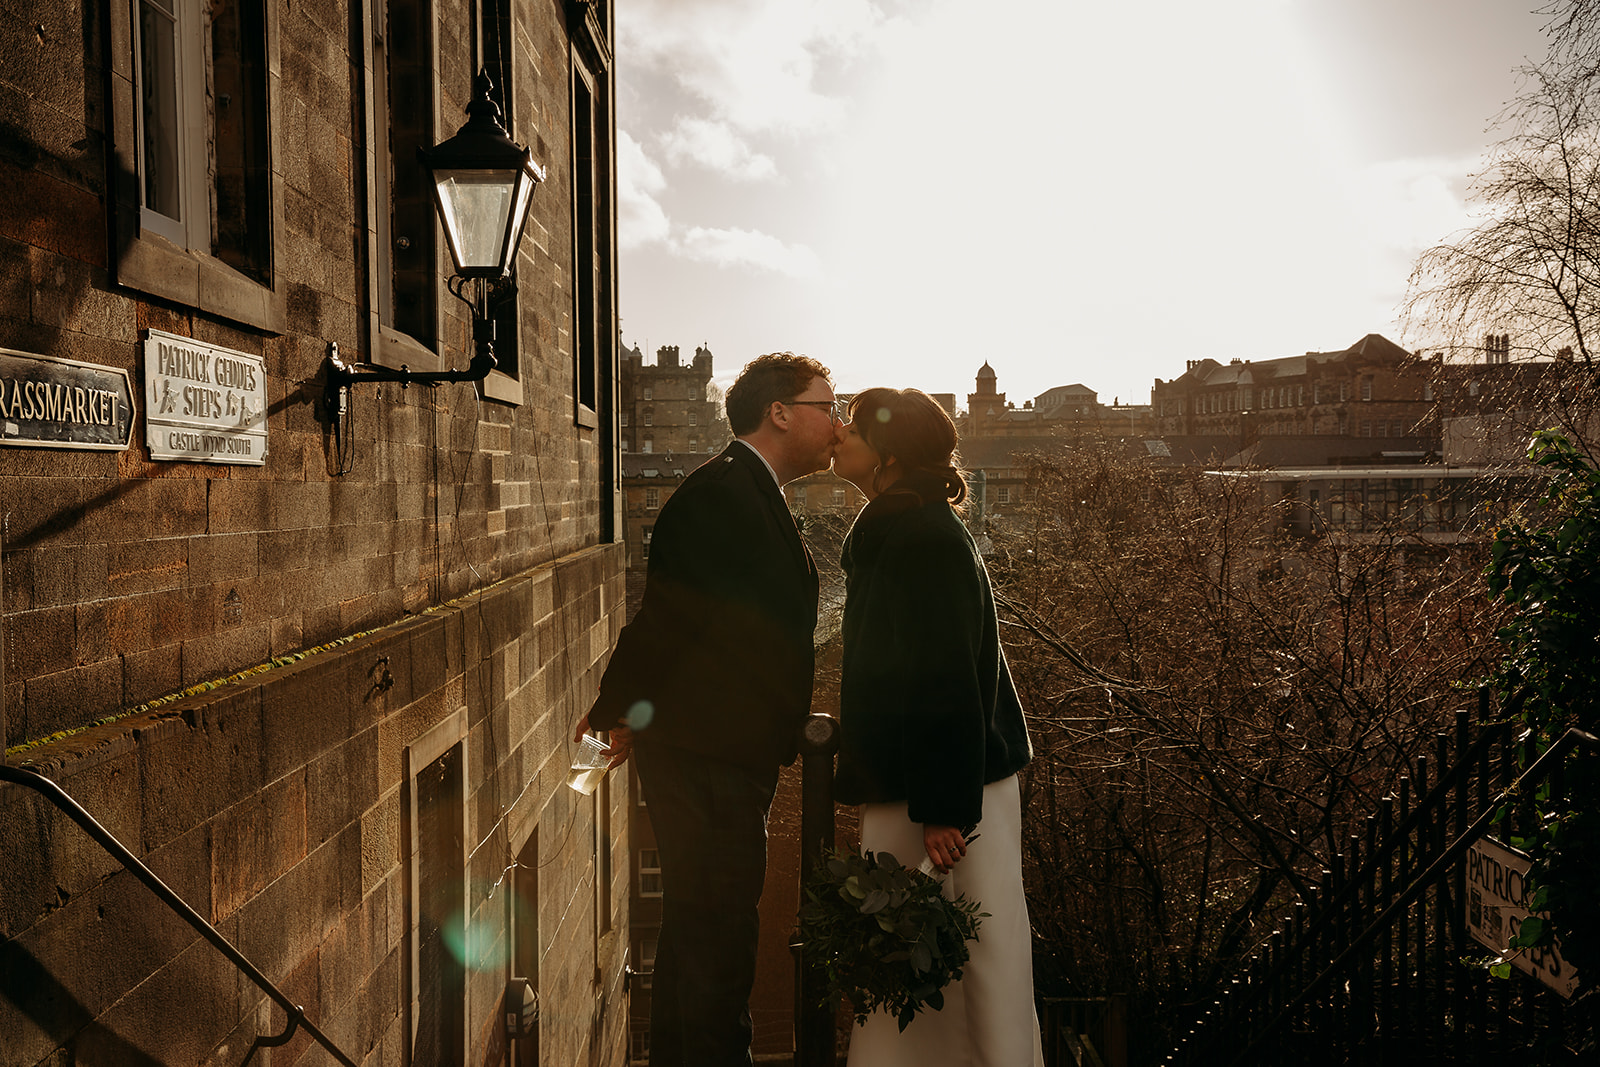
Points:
(884, 935)
(1545, 567)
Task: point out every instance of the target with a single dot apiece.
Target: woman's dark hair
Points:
(910, 426)
(779, 376)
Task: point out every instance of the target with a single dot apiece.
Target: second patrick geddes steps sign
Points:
(203, 402)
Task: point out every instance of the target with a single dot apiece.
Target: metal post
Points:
(814, 1020)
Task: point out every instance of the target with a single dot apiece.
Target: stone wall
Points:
(278, 806)
(248, 672)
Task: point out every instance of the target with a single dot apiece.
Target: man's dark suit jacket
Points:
(721, 648)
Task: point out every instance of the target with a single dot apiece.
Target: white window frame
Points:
(184, 87)
(649, 869)
(169, 257)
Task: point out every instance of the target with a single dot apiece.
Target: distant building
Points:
(670, 406)
(1366, 404)
(997, 437)
(670, 421)
(1356, 436)
(1065, 412)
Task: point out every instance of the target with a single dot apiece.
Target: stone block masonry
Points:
(278, 805)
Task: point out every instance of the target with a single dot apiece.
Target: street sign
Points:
(1497, 902)
(48, 402)
(203, 402)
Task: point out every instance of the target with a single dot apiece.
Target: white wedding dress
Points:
(988, 1019)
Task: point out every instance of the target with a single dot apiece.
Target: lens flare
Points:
(640, 715)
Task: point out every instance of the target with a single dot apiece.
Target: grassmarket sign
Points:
(48, 402)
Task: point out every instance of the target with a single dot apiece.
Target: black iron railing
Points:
(1372, 967)
(296, 1016)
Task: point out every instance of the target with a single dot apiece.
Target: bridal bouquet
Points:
(883, 934)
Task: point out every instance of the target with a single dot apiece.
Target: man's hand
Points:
(621, 746)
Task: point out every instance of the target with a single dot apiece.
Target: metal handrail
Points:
(295, 1015)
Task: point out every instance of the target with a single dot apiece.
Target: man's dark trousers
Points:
(710, 819)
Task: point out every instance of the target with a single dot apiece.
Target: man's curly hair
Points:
(777, 376)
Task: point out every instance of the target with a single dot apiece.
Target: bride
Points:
(931, 732)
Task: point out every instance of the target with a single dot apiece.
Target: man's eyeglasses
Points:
(833, 407)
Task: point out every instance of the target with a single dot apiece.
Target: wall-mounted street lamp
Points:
(483, 185)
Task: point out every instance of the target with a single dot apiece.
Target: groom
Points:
(708, 687)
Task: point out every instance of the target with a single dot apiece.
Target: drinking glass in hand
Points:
(588, 764)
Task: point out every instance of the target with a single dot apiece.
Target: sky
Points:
(1074, 192)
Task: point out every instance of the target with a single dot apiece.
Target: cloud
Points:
(641, 220)
(754, 64)
(747, 248)
(716, 146)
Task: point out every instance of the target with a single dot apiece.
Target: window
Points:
(1366, 387)
(524, 931)
(623, 444)
(652, 498)
(838, 495)
(1366, 427)
(1002, 494)
(694, 443)
(1344, 392)
(624, 418)
(649, 444)
(799, 496)
(646, 968)
(649, 393)
(435, 795)
(649, 872)
(594, 330)
(694, 417)
(650, 418)
(197, 220)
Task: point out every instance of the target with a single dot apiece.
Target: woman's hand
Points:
(945, 844)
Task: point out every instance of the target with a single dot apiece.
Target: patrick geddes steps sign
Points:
(203, 402)
(1497, 902)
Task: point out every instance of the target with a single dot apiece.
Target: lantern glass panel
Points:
(476, 208)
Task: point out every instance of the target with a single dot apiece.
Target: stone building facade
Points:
(315, 662)
(1357, 404)
(670, 406)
